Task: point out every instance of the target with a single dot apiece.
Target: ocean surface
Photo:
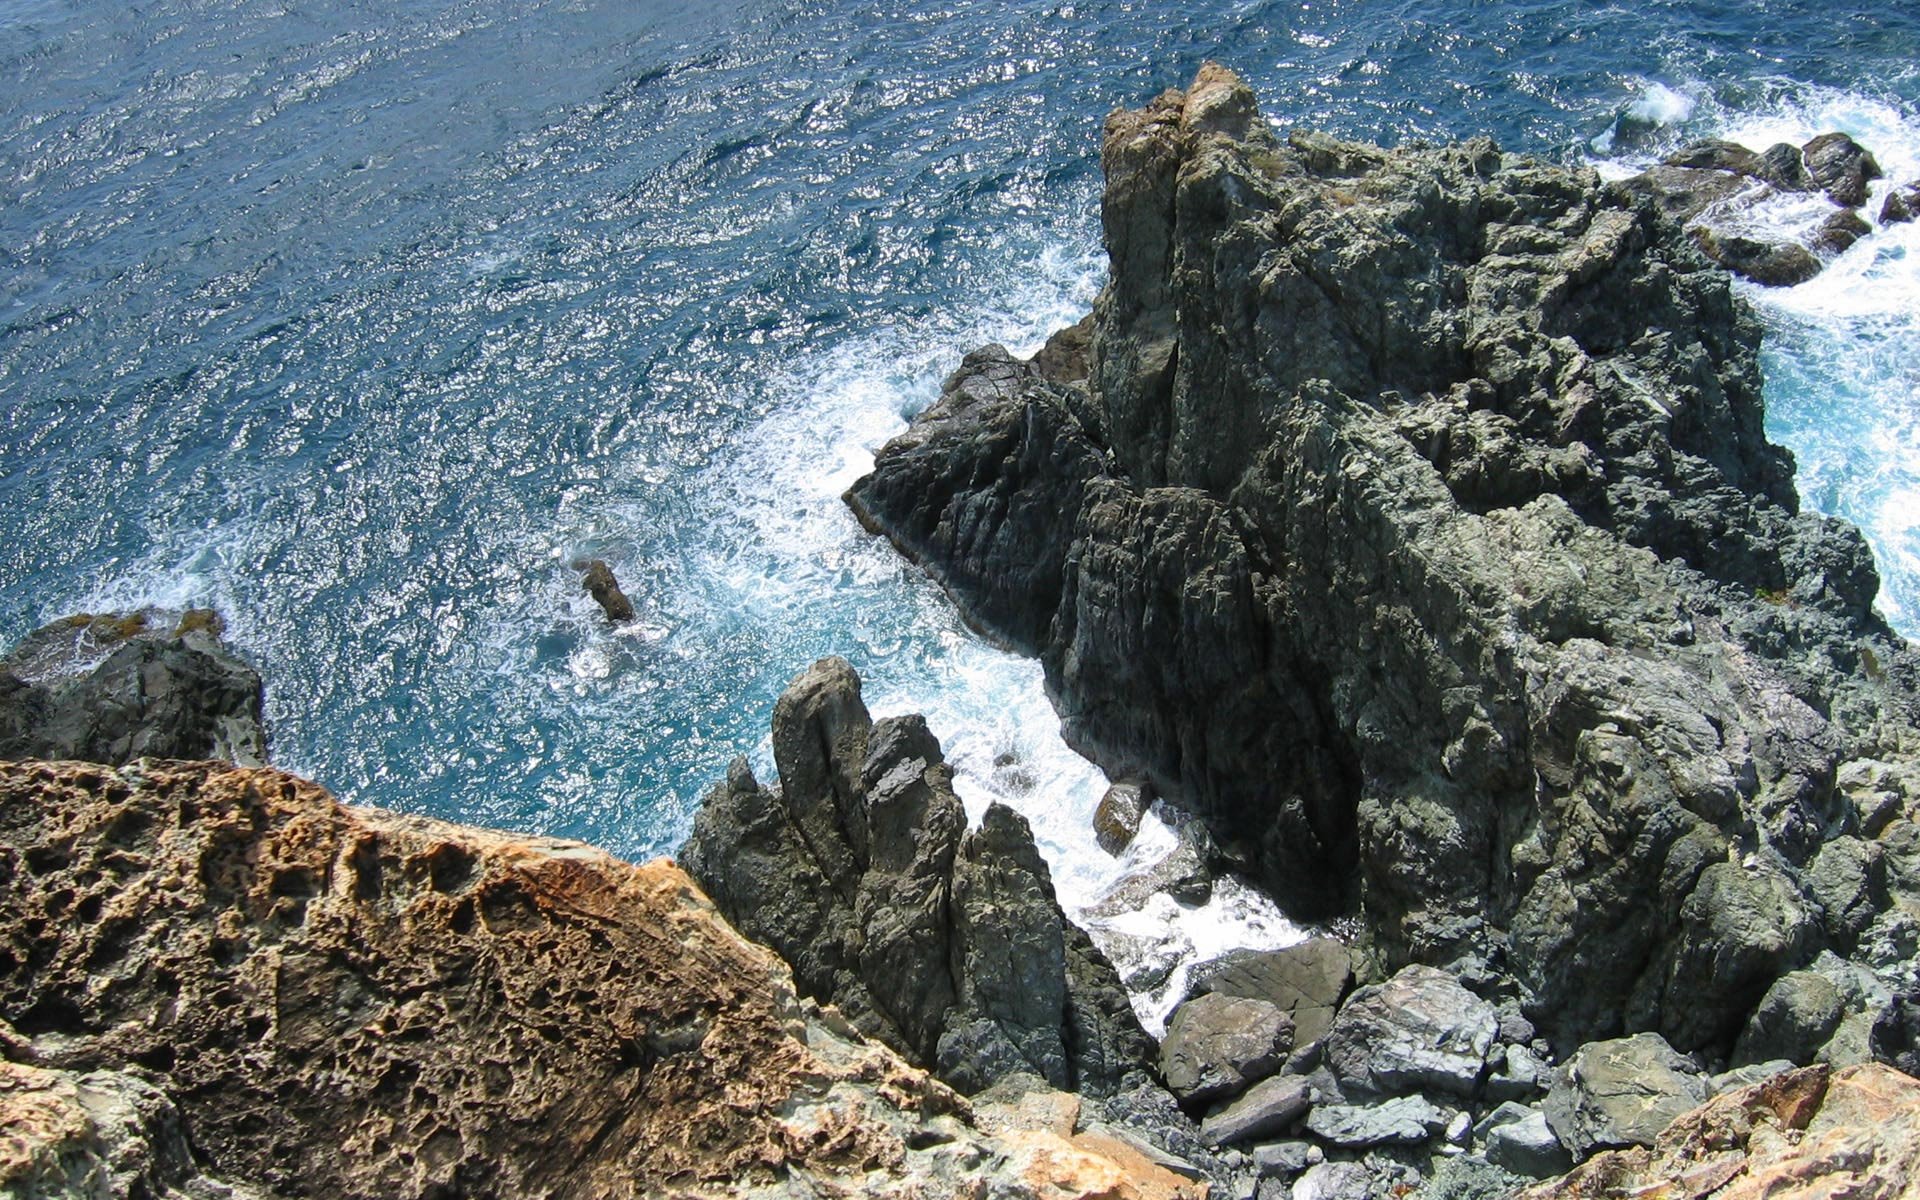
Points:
(362, 322)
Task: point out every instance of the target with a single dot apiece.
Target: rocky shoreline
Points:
(1404, 517)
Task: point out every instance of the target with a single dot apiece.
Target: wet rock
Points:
(116, 687)
(1620, 1093)
(1418, 1031)
(1841, 167)
(946, 943)
(1839, 232)
(1902, 204)
(1774, 264)
(597, 578)
(1401, 1121)
(1117, 818)
(1267, 1108)
(1216, 1045)
(1685, 193)
(1307, 981)
(1715, 154)
(1784, 166)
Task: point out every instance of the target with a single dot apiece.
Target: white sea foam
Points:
(1842, 354)
(989, 708)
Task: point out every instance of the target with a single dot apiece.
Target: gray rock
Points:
(1415, 525)
(1117, 818)
(1527, 1147)
(1401, 1121)
(1284, 1160)
(1518, 1074)
(1794, 1019)
(1621, 1093)
(945, 943)
(1216, 1045)
(115, 687)
(1747, 1075)
(1266, 1108)
(1335, 1181)
(1306, 980)
(1420, 1030)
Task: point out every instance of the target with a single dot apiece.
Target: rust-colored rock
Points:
(1803, 1135)
(345, 1002)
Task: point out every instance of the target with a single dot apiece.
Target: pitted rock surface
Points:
(1415, 525)
(347, 1003)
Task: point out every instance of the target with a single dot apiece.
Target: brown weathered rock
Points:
(350, 1003)
(1117, 819)
(598, 579)
(1802, 1134)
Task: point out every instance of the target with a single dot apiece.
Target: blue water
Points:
(362, 323)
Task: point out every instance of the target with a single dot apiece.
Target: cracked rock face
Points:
(1413, 523)
(326, 1001)
(944, 942)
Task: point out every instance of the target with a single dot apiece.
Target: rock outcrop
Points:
(1852, 1133)
(1413, 523)
(220, 982)
(119, 686)
(946, 943)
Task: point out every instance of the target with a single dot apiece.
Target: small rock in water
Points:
(1902, 204)
(1117, 819)
(605, 589)
(1842, 167)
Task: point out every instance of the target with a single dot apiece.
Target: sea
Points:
(363, 322)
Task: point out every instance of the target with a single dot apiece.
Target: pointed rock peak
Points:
(1220, 102)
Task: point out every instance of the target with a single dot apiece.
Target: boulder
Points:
(1266, 1108)
(1794, 1019)
(1401, 1121)
(1716, 154)
(1774, 264)
(1902, 204)
(1117, 818)
(1306, 980)
(1216, 1045)
(1840, 231)
(1841, 167)
(597, 578)
(1527, 1146)
(1785, 166)
(1419, 1031)
(1620, 1093)
(1284, 1160)
(1335, 1181)
(115, 687)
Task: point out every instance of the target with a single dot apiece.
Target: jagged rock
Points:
(945, 943)
(1401, 1121)
(1420, 1030)
(1685, 192)
(1117, 818)
(343, 1002)
(1775, 264)
(1266, 1108)
(597, 577)
(1216, 1045)
(1716, 154)
(1620, 1093)
(1854, 1133)
(1902, 204)
(1841, 167)
(66, 1135)
(1785, 166)
(1416, 526)
(1795, 1018)
(1848, 880)
(1518, 1074)
(1306, 980)
(114, 687)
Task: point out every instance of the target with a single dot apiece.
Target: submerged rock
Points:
(115, 687)
(1416, 526)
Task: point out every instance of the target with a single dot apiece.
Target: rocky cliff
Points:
(1409, 516)
(219, 981)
